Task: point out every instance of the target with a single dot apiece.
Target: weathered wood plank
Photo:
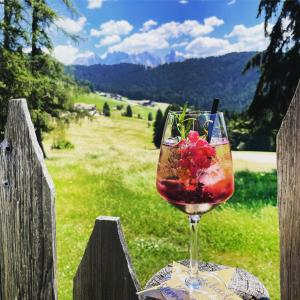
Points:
(288, 165)
(27, 213)
(105, 271)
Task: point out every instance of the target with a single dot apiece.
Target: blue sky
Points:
(193, 28)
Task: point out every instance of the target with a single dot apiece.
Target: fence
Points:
(27, 222)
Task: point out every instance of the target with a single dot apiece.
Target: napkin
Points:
(214, 286)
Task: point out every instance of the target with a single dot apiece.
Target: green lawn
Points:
(111, 171)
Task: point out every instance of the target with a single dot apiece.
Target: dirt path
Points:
(254, 160)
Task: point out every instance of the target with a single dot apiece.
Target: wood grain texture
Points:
(27, 213)
(288, 166)
(105, 271)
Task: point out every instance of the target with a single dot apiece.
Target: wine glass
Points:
(195, 170)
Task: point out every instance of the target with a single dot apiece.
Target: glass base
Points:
(193, 283)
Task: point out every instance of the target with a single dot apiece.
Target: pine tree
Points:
(158, 128)
(106, 110)
(150, 117)
(15, 79)
(279, 65)
(160, 121)
(49, 87)
(128, 111)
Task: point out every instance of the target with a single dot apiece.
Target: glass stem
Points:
(193, 280)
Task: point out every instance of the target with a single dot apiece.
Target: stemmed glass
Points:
(195, 170)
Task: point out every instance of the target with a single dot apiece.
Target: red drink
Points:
(195, 176)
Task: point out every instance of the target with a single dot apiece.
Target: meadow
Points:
(111, 171)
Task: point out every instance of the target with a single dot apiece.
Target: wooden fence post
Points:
(27, 213)
(106, 272)
(288, 165)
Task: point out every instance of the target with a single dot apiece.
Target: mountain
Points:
(174, 56)
(197, 81)
(114, 58)
(144, 58)
(87, 60)
(147, 59)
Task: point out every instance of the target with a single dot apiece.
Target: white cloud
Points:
(71, 26)
(113, 27)
(180, 44)
(241, 38)
(248, 38)
(207, 46)
(141, 42)
(213, 21)
(231, 2)
(95, 4)
(147, 25)
(66, 54)
(161, 37)
(108, 40)
(183, 1)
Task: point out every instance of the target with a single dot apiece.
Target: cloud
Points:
(164, 35)
(213, 21)
(183, 1)
(147, 25)
(207, 46)
(92, 4)
(231, 2)
(180, 44)
(241, 38)
(108, 40)
(71, 26)
(66, 54)
(113, 27)
(248, 38)
(140, 42)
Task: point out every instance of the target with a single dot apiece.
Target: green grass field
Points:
(111, 171)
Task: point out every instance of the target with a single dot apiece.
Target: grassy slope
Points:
(111, 171)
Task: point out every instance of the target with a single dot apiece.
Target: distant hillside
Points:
(195, 80)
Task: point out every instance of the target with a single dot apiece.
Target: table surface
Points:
(244, 284)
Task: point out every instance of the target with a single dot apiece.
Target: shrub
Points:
(62, 144)
(106, 110)
(150, 117)
(128, 112)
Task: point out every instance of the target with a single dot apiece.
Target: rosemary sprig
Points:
(184, 124)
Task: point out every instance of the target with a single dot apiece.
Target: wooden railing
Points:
(27, 222)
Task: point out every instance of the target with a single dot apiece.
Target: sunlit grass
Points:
(111, 171)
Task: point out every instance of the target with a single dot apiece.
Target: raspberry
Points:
(193, 136)
(195, 153)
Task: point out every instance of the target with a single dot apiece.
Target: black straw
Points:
(213, 112)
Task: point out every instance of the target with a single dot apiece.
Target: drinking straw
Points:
(212, 118)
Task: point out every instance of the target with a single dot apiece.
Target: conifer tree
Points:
(158, 128)
(49, 86)
(128, 111)
(150, 117)
(279, 64)
(106, 110)
(15, 80)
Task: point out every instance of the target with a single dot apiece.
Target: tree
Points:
(128, 111)
(279, 64)
(106, 110)
(150, 117)
(15, 78)
(158, 129)
(160, 121)
(49, 93)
